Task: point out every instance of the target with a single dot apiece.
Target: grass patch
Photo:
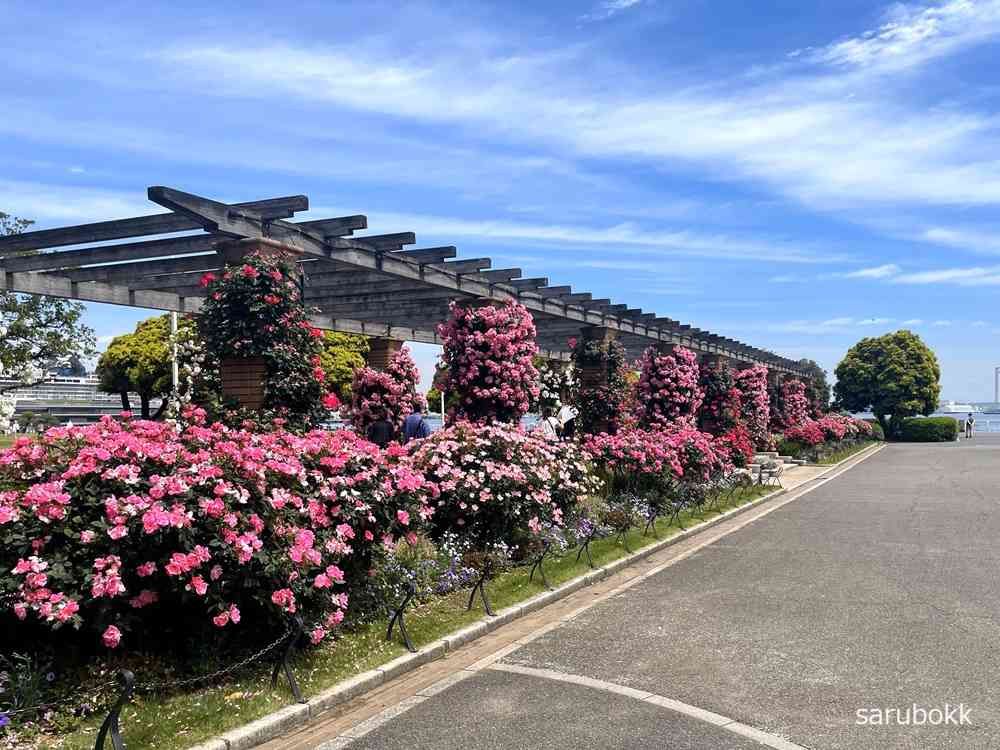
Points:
(837, 456)
(6, 441)
(179, 721)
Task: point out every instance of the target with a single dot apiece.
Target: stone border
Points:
(278, 722)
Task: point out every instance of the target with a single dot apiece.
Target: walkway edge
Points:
(272, 725)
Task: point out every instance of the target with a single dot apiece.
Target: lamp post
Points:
(996, 385)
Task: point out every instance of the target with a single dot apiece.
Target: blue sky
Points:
(794, 174)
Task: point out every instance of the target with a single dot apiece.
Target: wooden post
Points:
(245, 378)
(381, 351)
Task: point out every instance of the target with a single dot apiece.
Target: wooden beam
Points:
(502, 275)
(199, 243)
(272, 208)
(145, 269)
(389, 241)
(534, 283)
(342, 226)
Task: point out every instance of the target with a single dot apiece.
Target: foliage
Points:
(499, 483)
(755, 403)
(928, 429)
(390, 394)
(789, 405)
(131, 530)
(894, 376)
(555, 381)
(140, 362)
(599, 406)
(668, 392)
(489, 354)
(721, 408)
(255, 310)
(341, 355)
(737, 445)
(817, 387)
(877, 432)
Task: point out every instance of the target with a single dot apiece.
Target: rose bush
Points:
(755, 403)
(489, 352)
(668, 392)
(498, 484)
(721, 407)
(601, 406)
(389, 394)
(255, 310)
(127, 530)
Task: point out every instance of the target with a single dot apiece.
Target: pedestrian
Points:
(381, 432)
(567, 418)
(970, 426)
(415, 426)
(549, 425)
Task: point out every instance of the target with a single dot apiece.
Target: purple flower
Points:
(4, 720)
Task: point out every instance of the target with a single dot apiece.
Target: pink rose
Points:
(112, 637)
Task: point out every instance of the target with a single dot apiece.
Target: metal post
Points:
(175, 375)
(110, 725)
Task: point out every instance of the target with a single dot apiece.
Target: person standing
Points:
(970, 426)
(415, 426)
(549, 425)
(381, 432)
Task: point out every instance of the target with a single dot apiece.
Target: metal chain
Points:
(59, 702)
(160, 687)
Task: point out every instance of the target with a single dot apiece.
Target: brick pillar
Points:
(244, 378)
(381, 351)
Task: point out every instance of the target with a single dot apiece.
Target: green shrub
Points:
(877, 432)
(928, 430)
(792, 448)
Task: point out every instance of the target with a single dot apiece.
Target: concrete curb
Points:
(274, 724)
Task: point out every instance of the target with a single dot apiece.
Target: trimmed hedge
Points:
(928, 430)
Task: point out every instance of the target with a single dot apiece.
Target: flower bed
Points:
(813, 438)
(129, 530)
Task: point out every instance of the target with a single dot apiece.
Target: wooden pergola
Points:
(371, 284)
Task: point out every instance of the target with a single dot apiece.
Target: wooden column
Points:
(245, 378)
(714, 362)
(381, 351)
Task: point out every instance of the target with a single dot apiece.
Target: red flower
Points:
(207, 279)
(272, 299)
(330, 401)
(250, 272)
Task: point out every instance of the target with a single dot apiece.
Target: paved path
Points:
(880, 588)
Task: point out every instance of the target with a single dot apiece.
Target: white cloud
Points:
(784, 278)
(913, 322)
(941, 323)
(977, 276)
(629, 234)
(970, 240)
(915, 33)
(609, 8)
(798, 135)
(877, 272)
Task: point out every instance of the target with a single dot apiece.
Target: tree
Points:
(817, 386)
(140, 363)
(343, 354)
(37, 333)
(894, 376)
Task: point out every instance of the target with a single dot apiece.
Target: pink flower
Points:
(403, 517)
(207, 279)
(112, 637)
(250, 272)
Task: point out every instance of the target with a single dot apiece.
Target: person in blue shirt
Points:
(415, 426)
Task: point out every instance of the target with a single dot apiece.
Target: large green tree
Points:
(140, 363)
(342, 354)
(894, 376)
(38, 333)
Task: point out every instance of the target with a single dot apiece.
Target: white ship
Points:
(954, 407)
